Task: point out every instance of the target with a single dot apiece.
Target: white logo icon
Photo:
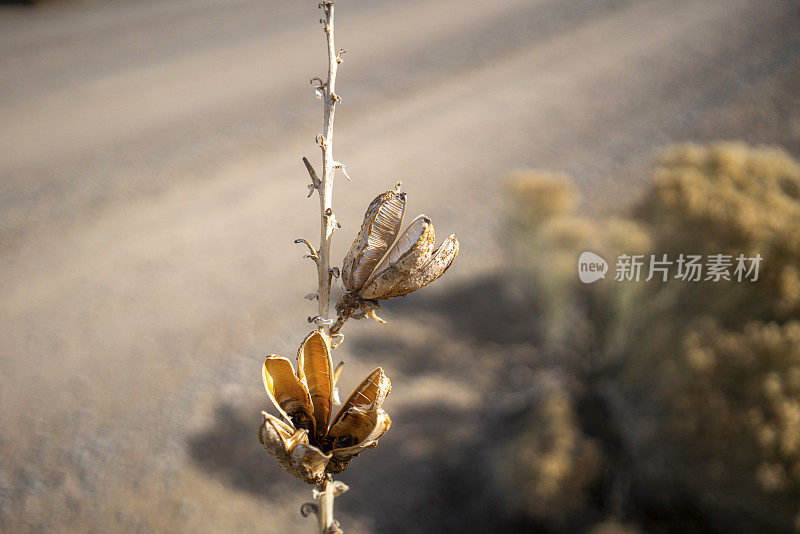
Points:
(591, 267)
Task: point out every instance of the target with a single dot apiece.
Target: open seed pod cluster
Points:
(381, 265)
(306, 441)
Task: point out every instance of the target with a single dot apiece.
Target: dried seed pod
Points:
(273, 435)
(365, 430)
(354, 427)
(411, 251)
(360, 421)
(292, 450)
(342, 457)
(310, 461)
(372, 390)
(315, 370)
(305, 400)
(378, 231)
(279, 428)
(435, 267)
(288, 393)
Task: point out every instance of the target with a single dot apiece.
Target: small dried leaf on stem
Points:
(339, 165)
(311, 172)
(312, 253)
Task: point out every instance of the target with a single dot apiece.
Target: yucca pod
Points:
(411, 251)
(311, 462)
(292, 449)
(361, 419)
(435, 267)
(288, 393)
(381, 225)
(314, 368)
(379, 422)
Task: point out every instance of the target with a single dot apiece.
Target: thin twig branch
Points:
(315, 181)
(312, 253)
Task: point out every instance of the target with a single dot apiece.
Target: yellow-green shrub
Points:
(708, 372)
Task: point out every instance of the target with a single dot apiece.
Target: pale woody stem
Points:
(327, 222)
(325, 507)
(327, 227)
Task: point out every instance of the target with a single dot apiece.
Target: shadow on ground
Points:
(229, 450)
(484, 310)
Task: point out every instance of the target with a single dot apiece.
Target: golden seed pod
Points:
(378, 231)
(411, 251)
(314, 368)
(292, 450)
(341, 458)
(361, 421)
(371, 391)
(311, 460)
(304, 444)
(288, 393)
(435, 267)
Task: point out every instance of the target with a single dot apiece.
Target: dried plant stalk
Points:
(325, 507)
(328, 223)
(325, 493)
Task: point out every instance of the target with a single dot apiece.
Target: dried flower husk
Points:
(288, 393)
(361, 421)
(314, 368)
(435, 267)
(378, 231)
(307, 398)
(292, 449)
(411, 251)
(358, 410)
(377, 267)
(341, 457)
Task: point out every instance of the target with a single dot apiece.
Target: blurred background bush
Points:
(687, 393)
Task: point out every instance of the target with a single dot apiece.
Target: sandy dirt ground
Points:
(151, 188)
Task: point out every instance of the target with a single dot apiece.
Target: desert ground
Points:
(151, 188)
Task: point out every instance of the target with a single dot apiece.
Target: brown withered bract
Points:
(380, 265)
(304, 444)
